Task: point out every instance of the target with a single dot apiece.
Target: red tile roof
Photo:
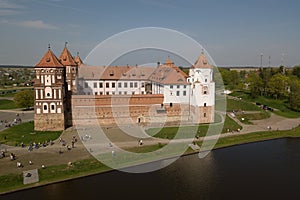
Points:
(202, 62)
(115, 72)
(66, 58)
(169, 75)
(49, 60)
(78, 60)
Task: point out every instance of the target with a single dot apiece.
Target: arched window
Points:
(205, 90)
(48, 91)
(204, 104)
(204, 115)
(45, 107)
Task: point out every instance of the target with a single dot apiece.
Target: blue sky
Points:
(234, 32)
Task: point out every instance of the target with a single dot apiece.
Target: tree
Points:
(278, 86)
(24, 99)
(296, 71)
(256, 85)
(294, 95)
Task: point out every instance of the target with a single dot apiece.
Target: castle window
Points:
(125, 84)
(205, 89)
(204, 104)
(178, 86)
(132, 92)
(86, 85)
(204, 114)
(120, 92)
(206, 80)
(107, 93)
(125, 92)
(171, 86)
(113, 85)
(135, 84)
(101, 93)
(119, 84)
(184, 93)
(45, 107)
(107, 85)
(101, 85)
(52, 107)
(113, 93)
(177, 93)
(95, 85)
(131, 84)
(184, 86)
(48, 92)
(143, 84)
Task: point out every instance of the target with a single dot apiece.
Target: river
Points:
(262, 170)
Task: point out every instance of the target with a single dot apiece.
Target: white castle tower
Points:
(202, 90)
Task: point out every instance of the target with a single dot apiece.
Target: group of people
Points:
(36, 145)
(64, 143)
(16, 121)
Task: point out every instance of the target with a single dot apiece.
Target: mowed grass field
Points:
(7, 104)
(24, 133)
(281, 106)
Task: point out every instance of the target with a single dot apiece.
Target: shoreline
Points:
(188, 152)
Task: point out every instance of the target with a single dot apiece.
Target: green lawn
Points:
(53, 173)
(233, 104)
(192, 131)
(7, 104)
(280, 106)
(254, 137)
(253, 116)
(25, 133)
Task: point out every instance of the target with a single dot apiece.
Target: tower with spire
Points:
(202, 90)
(50, 94)
(71, 68)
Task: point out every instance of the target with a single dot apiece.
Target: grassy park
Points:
(24, 133)
(7, 104)
(280, 106)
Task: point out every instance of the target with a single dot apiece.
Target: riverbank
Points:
(90, 166)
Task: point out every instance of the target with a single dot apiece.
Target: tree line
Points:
(278, 83)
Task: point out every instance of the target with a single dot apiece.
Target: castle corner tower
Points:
(202, 90)
(50, 94)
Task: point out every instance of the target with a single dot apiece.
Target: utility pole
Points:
(261, 60)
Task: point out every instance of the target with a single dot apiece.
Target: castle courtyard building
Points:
(65, 87)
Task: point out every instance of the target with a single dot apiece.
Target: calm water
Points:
(264, 170)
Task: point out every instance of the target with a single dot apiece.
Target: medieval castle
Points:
(66, 89)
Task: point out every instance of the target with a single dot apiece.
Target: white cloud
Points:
(9, 8)
(9, 5)
(6, 12)
(39, 24)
